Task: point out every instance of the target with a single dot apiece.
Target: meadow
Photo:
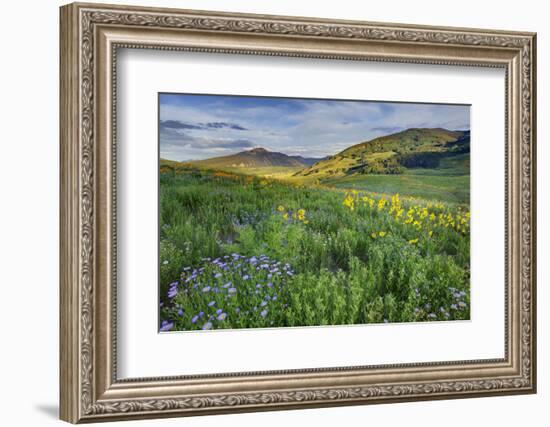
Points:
(243, 251)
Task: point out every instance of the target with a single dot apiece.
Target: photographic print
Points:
(292, 212)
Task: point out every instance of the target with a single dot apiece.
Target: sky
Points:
(194, 127)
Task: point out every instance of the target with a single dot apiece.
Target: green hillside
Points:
(393, 154)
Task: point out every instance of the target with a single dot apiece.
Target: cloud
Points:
(387, 129)
(221, 125)
(177, 124)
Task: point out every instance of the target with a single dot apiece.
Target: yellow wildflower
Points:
(349, 202)
(281, 208)
(413, 241)
(382, 233)
(373, 235)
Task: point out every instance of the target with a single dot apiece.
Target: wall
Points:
(29, 171)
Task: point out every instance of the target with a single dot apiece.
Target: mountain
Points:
(392, 154)
(256, 158)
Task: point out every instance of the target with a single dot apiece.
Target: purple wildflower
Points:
(194, 319)
(222, 316)
(211, 303)
(263, 313)
(166, 326)
(207, 325)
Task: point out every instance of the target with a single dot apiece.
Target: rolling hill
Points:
(393, 154)
(255, 158)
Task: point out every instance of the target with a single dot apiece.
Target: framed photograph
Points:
(266, 212)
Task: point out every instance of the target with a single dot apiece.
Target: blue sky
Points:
(196, 127)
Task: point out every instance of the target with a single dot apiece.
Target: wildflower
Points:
(232, 291)
(413, 241)
(263, 303)
(211, 303)
(263, 313)
(206, 289)
(217, 275)
(349, 202)
(227, 285)
(207, 325)
(281, 208)
(165, 262)
(246, 277)
(166, 326)
(222, 316)
(180, 312)
(382, 233)
(218, 311)
(430, 233)
(285, 216)
(373, 235)
(194, 319)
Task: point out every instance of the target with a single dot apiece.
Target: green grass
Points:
(253, 252)
(266, 171)
(415, 182)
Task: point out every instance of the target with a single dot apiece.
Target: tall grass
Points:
(240, 251)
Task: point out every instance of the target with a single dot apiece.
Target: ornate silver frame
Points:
(90, 36)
